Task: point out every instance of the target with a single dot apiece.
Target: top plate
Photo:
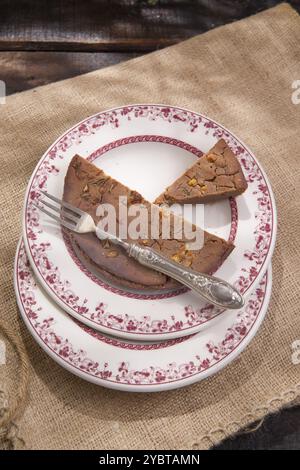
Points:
(147, 147)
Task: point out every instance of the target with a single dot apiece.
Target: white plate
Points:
(138, 367)
(146, 147)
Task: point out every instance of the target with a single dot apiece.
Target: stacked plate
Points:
(136, 341)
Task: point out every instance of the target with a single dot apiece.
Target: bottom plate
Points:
(132, 366)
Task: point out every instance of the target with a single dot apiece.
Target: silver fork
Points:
(211, 288)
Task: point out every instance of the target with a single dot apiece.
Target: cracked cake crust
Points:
(216, 175)
(86, 186)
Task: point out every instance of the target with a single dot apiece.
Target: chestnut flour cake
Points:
(87, 186)
(216, 175)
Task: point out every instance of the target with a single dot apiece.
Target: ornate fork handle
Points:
(211, 288)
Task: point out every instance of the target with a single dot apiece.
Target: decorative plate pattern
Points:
(134, 366)
(109, 139)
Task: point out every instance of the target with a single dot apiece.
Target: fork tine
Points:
(58, 219)
(63, 203)
(68, 215)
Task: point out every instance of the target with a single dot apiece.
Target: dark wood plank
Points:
(113, 45)
(114, 25)
(25, 70)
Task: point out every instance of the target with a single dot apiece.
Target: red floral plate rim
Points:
(118, 372)
(259, 256)
(113, 145)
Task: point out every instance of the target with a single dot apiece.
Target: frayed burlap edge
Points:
(258, 414)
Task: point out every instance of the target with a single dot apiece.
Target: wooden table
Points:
(42, 42)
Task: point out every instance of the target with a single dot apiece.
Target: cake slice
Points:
(216, 175)
(86, 186)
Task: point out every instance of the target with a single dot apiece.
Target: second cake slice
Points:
(216, 175)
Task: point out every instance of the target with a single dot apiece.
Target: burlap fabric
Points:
(241, 75)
